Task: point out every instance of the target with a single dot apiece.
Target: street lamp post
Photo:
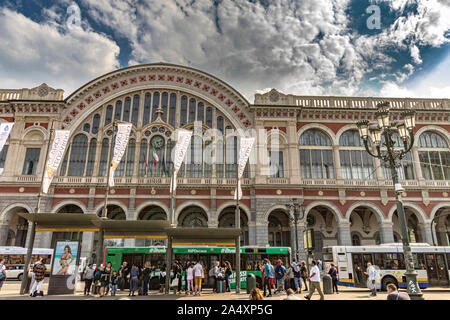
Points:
(385, 128)
(298, 210)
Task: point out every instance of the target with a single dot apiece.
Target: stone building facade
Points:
(307, 148)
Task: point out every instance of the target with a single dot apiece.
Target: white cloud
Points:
(39, 53)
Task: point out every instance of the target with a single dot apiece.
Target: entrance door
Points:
(436, 269)
(358, 270)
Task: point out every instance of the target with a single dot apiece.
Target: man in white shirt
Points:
(372, 273)
(314, 284)
(197, 278)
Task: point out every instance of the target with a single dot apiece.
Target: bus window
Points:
(401, 261)
(448, 261)
(419, 261)
(379, 260)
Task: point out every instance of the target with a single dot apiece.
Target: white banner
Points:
(120, 146)
(5, 129)
(244, 153)
(54, 157)
(183, 140)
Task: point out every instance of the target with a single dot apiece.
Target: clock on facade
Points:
(274, 96)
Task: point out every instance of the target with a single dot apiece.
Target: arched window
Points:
(135, 114)
(103, 157)
(87, 127)
(78, 155)
(183, 111)
(191, 110)
(118, 112)
(231, 150)
(356, 240)
(143, 162)
(95, 123)
(356, 163)
(434, 156)
(126, 110)
(164, 103)
(406, 169)
(147, 107)
(209, 117)
(91, 158)
(200, 111)
(108, 115)
(172, 109)
(316, 155)
(155, 105)
(130, 157)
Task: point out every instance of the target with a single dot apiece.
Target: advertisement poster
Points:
(65, 258)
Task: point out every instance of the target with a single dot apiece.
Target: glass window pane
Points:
(424, 164)
(143, 163)
(31, 160)
(3, 154)
(118, 111)
(95, 123)
(172, 109)
(209, 117)
(155, 105)
(78, 155)
(135, 115)
(305, 164)
(103, 157)
(191, 110)
(436, 165)
(130, 158)
(108, 115)
(126, 110)
(183, 111)
(91, 158)
(328, 163)
(147, 104)
(200, 111)
(346, 168)
(316, 163)
(164, 104)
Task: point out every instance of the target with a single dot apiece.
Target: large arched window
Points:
(91, 158)
(434, 156)
(135, 114)
(103, 157)
(77, 161)
(356, 163)
(147, 108)
(406, 169)
(316, 155)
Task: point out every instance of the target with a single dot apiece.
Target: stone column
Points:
(262, 155)
(252, 233)
(386, 232)
(293, 154)
(262, 235)
(337, 163)
(4, 229)
(425, 230)
(441, 236)
(87, 245)
(43, 239)
(416, 163)
(344, 237)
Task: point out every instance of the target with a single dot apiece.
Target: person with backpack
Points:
(297, 276)
(39, 275)
(2, 272)
(334, 277)
(280, 272)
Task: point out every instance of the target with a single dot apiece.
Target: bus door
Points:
(436, 269)
(133, 258)
(358, 270)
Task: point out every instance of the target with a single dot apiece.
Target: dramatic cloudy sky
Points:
(309, 47)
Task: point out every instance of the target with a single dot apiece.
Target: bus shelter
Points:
(198, 237)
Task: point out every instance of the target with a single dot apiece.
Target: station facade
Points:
(307, 147)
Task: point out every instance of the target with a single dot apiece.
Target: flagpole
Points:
(33, 223)
(104, 214)
(238, 225)
(168, 253)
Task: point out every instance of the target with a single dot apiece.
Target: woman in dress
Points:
(63, 261)
(105, 278)
(134, 282)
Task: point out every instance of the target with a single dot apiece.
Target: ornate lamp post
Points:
(385, 128)
(298, 210)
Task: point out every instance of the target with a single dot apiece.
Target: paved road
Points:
(11, 288)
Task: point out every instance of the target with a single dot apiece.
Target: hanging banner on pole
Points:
(183, 138)
(54, 157)
(120, 146)
(5, 129)
(244, 153)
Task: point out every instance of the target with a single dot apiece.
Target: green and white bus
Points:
(251, 259)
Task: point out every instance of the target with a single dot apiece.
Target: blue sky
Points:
(320, 47)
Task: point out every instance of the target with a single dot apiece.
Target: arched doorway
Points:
(412, 223)
(364, 226)
(323, 221)
(70, 236)
(442, 227)
(115, 212)
(192, 217)
(279, 231)
(227, 220)
(17, 228)
(151, 212)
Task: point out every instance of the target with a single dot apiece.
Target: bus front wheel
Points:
(20, 276)
(387, 280)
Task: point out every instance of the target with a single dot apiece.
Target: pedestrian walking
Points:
(255, 294)
(297, 276)
(134, 281)
(39, 275)
(228, 272)
(304, 274)
(114, 283)
(393, 293)
(190, 279)
(290, 295)
(280, 272)
(371, 281)
(32, 274)
(88, 278)
(105, 279)
(314, 284)
(333, 272)
(146, 273)
(2, 272)
(198, 273)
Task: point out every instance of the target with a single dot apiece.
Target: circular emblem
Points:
(72, 191)
(153, 191)
(362, 193)
(320, 193)
(445, 194)
(21, 189)
(232, 192)
(279, 192)
(405, 194)
(193, 192)
(157, 142)
(43, 91)
(113, 191)
(274, 96)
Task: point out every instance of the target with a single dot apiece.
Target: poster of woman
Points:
(65, 258)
